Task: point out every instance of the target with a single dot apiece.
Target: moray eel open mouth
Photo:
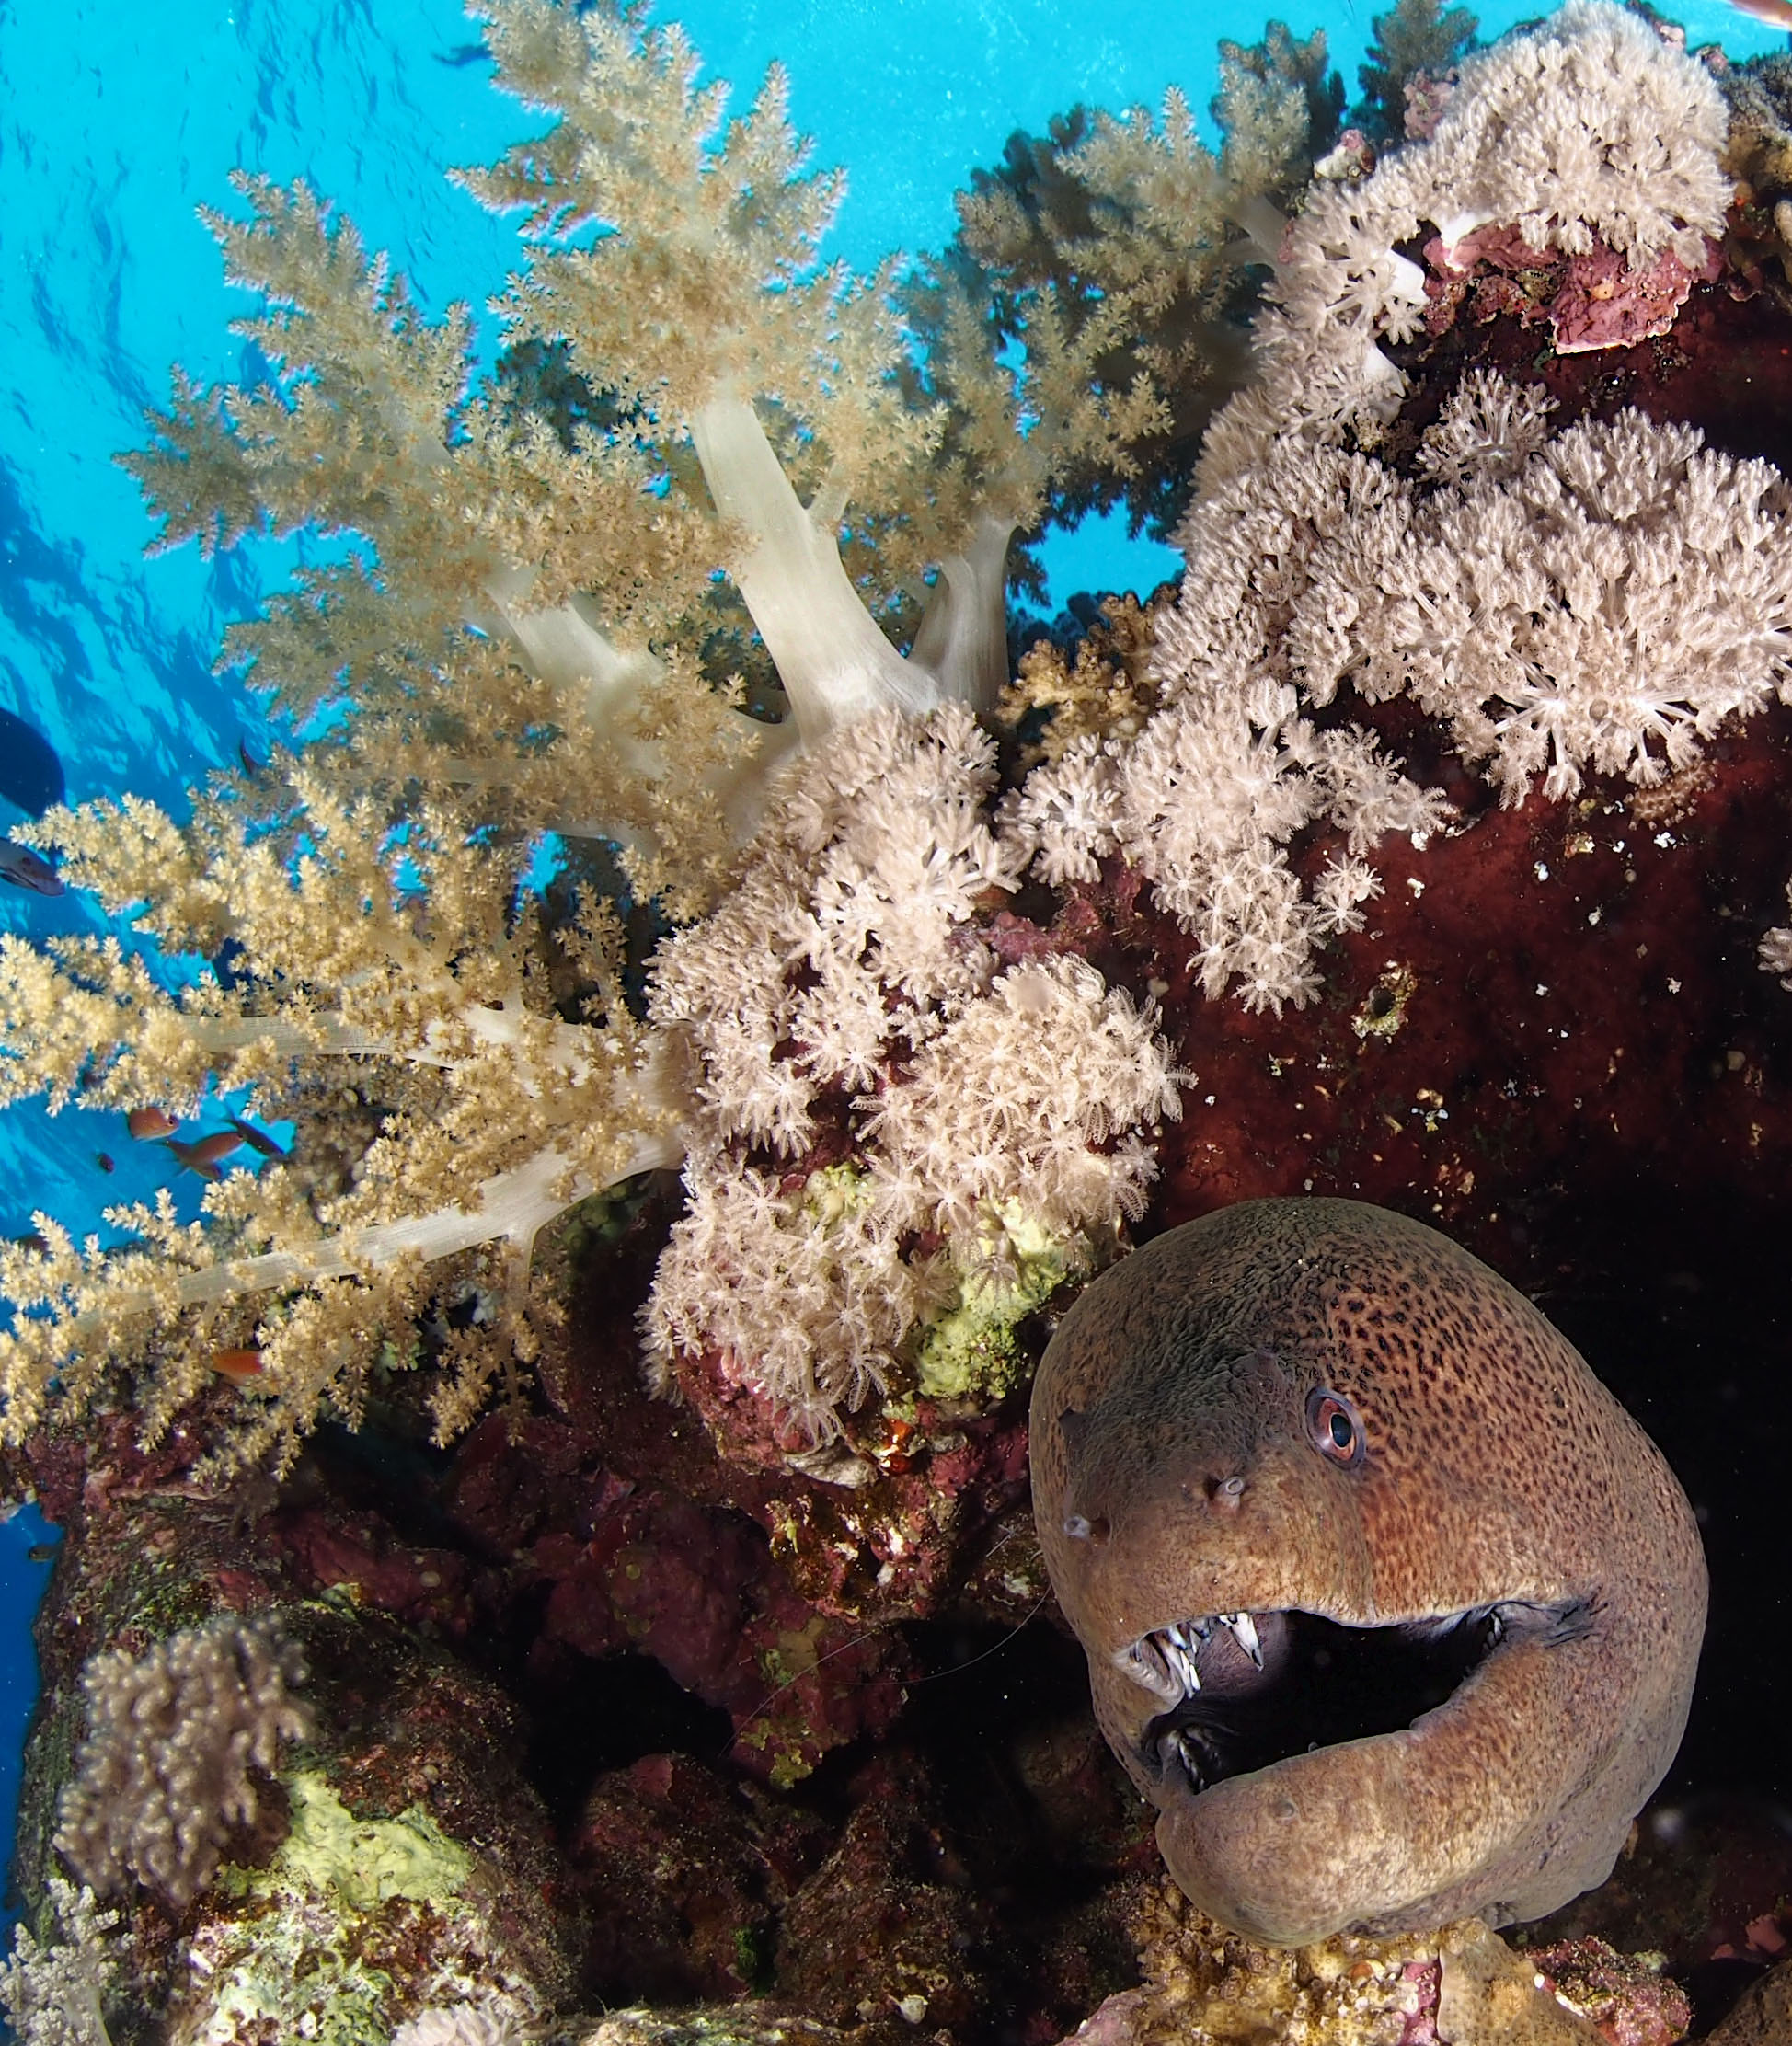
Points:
(1240, 1691)
(1390, 1608)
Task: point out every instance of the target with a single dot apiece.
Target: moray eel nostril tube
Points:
(1390, 1607)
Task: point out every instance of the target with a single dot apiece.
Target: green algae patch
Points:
(837, 1193)
(334, 1941)
(971, 1351)
(365, 1861)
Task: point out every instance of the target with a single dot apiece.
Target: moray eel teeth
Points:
(1329, 1681)
(1390, 1608)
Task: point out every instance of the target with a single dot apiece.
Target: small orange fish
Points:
(242, 1367)
(147, 1123)
(257, 1140)
(201, 1156)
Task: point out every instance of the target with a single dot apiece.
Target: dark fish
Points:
(105, 1161)
(464, 54)
(42, 1552)
(30, 774)
(24, 868)
(257, 1140)
(33, 1239)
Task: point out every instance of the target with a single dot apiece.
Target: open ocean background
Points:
(118, 121)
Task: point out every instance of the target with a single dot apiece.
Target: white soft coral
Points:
(1584, 127)
(984, 1109)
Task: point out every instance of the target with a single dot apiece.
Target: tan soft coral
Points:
(538, 582)
(394, 960)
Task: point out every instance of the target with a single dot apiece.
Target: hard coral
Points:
(1210, 1988)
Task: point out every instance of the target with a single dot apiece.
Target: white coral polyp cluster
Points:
(1205, 802)
(847, 973)
(1602, 599)
(1586, 128)
(1597, 600)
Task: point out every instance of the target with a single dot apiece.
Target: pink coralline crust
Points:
(1427, 98)
(1603, 303)
(1113, 2022)
(1630, 2002)
(697, 1589)
(1420, 2026)
(1499, 247)
(1591, 301)
(327, 1547)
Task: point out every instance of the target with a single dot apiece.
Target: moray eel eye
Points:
(1335, 1427)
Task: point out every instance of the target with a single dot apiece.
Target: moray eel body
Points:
(1390, 1607)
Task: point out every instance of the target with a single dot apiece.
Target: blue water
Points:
(116, 125)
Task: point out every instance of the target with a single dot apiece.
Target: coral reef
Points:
(849, 1018)
(1206, 1986)
(461, 2025)
(1425, 847)
(1626, 1996)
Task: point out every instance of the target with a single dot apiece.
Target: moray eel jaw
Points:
(1389, 1608)
(1314, 1775)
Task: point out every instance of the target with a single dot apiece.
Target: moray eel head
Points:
(1390, 1608)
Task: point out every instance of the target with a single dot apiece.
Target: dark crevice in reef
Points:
(590, 1716)
(1679, 1305)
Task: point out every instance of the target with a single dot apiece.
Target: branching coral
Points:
(391, 960)
(172, 1737)
(1416, 45)
(1117, 240)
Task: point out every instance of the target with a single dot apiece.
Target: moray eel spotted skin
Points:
(1390, 1608)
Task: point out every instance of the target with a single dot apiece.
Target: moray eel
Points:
(1390, 1608)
